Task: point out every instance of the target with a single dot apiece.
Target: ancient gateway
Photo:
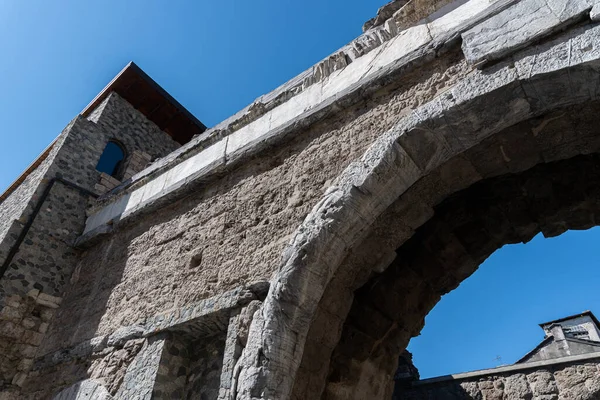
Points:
(293, 250)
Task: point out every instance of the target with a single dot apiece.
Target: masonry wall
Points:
(32, 286)
(232, 230)
(37, 265)
(114, 119)
(190, 369)
(15, 209)
(73, 158)
(575, 380)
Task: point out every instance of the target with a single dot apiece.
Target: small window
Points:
(111, 159)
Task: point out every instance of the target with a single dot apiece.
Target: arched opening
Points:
(492, 318)
(378, 225)
(112, 158)
(466, 229)
(442, 229)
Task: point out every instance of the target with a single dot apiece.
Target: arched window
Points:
(111, 159)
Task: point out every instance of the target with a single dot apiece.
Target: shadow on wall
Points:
(157, 256)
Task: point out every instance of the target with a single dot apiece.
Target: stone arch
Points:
(467, 227)
(338, 246)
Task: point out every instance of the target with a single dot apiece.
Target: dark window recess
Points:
(111, 159)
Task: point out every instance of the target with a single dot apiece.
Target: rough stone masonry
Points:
(292, 251)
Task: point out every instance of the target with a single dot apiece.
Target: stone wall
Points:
(303, 195)
(119, 120)
(233, 230)
(575, 379)
(15, 209)
(61, 189)
(205, 339)
(73, 158)
(114, 119)
(190, 368)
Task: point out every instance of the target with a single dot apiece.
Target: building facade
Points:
(292, 251)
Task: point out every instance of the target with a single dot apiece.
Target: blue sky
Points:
(215, 57)
(496, 311)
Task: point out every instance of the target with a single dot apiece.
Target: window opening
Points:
(111, 159)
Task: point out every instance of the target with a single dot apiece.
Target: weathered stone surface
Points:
(60, 188)
(417, 42)
(595, 12)
(534, 383)
(519, 25)
(86, 390)
(353, 196)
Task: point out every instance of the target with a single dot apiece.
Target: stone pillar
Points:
(141, 375)
(85, 390)
(237, 336)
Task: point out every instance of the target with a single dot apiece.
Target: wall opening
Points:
(492, 318)
(465, 230)
(112, 158)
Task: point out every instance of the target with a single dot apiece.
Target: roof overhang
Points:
(145, 95)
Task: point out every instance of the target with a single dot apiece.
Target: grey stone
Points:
(519, 25)
(85, 390)
(595, 12)
(122, 335)
(301, 191)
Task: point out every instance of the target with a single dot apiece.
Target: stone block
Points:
(519, 25)
(25, 364)
(43, 328)
(49, 298)
(248, 136)
(28, 323)
(401, 47)
(46, 314)
(27, 351)
(347, 77)
(32, 338)
(100, 189)
(11, 330)
(595, 13)
(462, 17)
(46, 303)
(11, 314)
(14, 301)
(19, 379)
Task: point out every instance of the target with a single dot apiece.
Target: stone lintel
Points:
(196, 318)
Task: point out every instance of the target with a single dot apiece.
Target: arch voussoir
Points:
(461, 127)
